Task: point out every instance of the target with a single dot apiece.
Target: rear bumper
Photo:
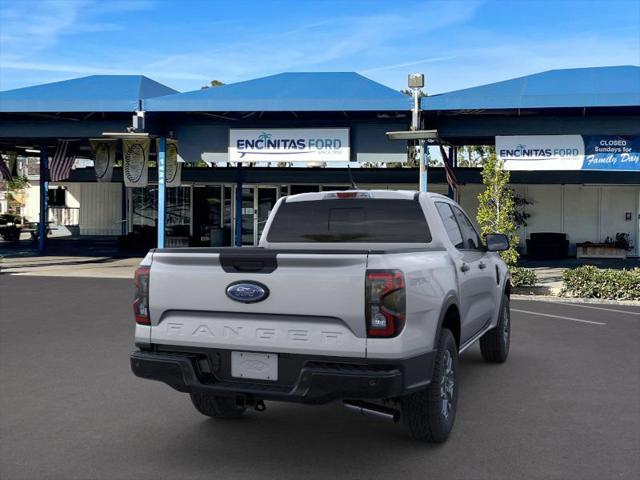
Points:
(317, 382)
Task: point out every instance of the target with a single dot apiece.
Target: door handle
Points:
(482, 266)
(465, 267)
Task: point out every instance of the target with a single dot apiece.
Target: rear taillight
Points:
(385, 303)
(141, 297)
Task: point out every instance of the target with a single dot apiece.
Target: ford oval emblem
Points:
(247, 291)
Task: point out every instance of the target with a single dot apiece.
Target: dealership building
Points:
(571, 139)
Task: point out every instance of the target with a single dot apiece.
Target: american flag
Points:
(62, 161)
(448, 170)
(4, 170)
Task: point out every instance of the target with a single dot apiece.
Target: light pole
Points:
(416, 83)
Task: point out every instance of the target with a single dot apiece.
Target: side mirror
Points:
(497, 242)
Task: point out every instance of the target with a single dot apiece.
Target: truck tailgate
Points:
(315, 303)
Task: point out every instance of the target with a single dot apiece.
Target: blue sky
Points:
(184, 44)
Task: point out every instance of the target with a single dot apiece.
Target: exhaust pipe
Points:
(367, 409)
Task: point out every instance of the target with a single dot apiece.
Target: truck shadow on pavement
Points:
(302, 441)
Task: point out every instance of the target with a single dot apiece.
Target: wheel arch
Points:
(450, 318)
(507, 288)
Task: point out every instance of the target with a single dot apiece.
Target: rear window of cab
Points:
(354, 220)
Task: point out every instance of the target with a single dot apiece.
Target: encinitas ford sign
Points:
(289, 145)
(569, 152)
(541, 152)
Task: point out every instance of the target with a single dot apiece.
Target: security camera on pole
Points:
(416, 83)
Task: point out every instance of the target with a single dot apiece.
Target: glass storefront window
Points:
(144, 207)
(207, 216)
(228, 207)
(178, 206)
(178, 219)
(144, 213)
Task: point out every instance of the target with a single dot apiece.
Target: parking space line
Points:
(558, 316)
(629, 312)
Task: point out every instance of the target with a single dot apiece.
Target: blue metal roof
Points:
(298, 92)
(577, 87)
(96, 93)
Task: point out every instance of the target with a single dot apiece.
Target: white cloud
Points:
(500, 57)
(30, 27)
(349, 40)
(89, 70)
(435, 37)
(408, 64)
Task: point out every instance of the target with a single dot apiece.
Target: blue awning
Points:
(288, 92)
(577, 87)
(96, 93)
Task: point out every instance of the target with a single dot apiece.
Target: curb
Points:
(535, 290)
(556, 299)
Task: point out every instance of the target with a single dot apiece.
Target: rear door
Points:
(314, 305)
(475, 270)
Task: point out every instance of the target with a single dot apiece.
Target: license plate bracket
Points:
(253, 365)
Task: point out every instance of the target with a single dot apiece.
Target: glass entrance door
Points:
(267, 197)
(248, 214)
(257, 203)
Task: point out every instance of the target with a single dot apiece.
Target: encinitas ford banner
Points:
(569, 152)
(289, 145)
(612, 153)
(541, 152)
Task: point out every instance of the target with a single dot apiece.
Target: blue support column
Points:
(450, 162)
(238, 209)
(424, 163)
(454, 165)
(162, 190)
(44, 199)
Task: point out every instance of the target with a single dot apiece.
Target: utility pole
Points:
(416, 83)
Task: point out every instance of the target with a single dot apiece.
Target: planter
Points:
(10, 233)
(599, 250)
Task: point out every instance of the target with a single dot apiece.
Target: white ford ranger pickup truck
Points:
(364, 297)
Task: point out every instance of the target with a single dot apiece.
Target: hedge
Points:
(522, 277)
(591, 282)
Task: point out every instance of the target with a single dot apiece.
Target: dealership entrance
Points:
(257, 203)
(214, 213)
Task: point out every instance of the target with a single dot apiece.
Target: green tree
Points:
(497, 208)
(213, 83)
(15, 193)
(474, 155)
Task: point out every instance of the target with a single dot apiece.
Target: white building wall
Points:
(73, 195)
(100, 208)
(615, 202)
(31, 208)
(580, 214)
(583, 212)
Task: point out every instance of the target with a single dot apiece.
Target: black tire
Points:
(215, 406)
(494, 345)
(430, 413)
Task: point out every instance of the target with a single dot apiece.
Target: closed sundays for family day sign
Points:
(569, 152)
(289, 145)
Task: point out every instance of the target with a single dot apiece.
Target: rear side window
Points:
(471, 238)
(352, 220)
(450, 224)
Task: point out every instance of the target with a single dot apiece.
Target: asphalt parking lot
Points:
(566, 405)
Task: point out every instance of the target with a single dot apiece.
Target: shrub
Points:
(522, 277)
(592, 282)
